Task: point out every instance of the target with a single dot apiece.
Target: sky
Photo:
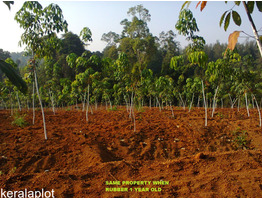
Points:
(104, 16)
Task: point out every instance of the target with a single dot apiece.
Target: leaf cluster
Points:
(226, 17)
(39, 22)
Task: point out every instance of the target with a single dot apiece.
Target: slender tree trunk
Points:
(253, 28)
(130, 112)
(206, 104)
(184, 106)
(247, 105)
(214, 101)
(87, 103)
(96, 104)
(52, 101)
(41, 105)
(133, 112)
(198, 102)
(252, 100)
(126, 103)
(33, 102)
(191, 103)
(84, 102)
(257, 110)
(231, 100)
(110, 103)
(18, 101)
(158, 104)
(203, 90)
(172, 110)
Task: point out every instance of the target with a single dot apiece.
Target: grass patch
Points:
(114, 108)
(19, 120)
(220, 115)
(241, 140)
(139, 108)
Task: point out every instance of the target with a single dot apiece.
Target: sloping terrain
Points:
(223, 159)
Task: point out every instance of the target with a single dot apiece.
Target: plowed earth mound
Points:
(223, 159)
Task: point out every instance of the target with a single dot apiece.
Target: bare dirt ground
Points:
(80, 158)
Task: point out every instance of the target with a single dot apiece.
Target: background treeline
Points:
(137, 66)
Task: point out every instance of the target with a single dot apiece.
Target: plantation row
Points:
(135, 69)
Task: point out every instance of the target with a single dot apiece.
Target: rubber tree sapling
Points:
(200, 58)
(149, 84)
(40, 26)
(164, 89)
(218, 73)
(177, 63)
(121, 76)
(193, 86)
(187, 26)
(82, 82)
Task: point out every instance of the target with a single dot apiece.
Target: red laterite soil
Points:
(81, 158)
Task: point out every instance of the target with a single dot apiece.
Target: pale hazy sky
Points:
(104, 16)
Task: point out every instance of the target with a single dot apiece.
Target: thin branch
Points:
(248, 35)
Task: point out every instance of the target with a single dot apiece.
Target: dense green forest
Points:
(135, 67)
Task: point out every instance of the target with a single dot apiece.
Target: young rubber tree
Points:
(187, 26)
(164, 89)
(200, 58)
(193, 88)
(84, 80)
(40, 26)
(218, 73)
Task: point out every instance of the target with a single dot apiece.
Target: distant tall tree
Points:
(169, 48)
(137, 28)
(71, 43)
(111, 38)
